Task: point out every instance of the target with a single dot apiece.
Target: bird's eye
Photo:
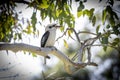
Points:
(50, 26)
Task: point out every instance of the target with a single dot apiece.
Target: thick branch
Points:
(44, 52)
(23, 47)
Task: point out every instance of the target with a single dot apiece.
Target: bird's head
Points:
(50, 27)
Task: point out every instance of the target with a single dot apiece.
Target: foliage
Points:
(55, 10)
(107, 31)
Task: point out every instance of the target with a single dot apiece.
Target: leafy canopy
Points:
(60, 11)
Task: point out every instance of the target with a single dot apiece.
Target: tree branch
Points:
(22, 47)
(86, 32)
(15, 47)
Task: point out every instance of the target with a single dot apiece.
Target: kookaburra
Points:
(48, 38)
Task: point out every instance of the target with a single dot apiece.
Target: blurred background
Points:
(23, 23)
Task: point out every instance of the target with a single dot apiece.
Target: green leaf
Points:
(104, 16)
(86, 12)
(105, 48)
(112, 15)
(65, 44)
(1, 36)
(94, 20)
(104, 40)
(92, 10)
(34, 55)
(79, 14)
(62, 28)
(117, 39)
(34, 20)
(28, 29)
(44, 4)
(67, 9)
(69, 32)
(89, 13)
(43, 14)
(112, 21)
(108, 26)
(20, 36)
(116, 29)
(109, 9)
(58, 12)
(15, 36)
(97, 29)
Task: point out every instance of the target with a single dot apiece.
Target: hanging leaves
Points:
(44, 4)
(17, 36)
(110, 14)
(87, 12)
(6, 23)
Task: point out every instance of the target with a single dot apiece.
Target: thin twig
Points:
(89, 54)
(79, 54)
(62, 35)
(86, 32)
(103, 45)
(71, 37)
(76, 34)
(89, 41)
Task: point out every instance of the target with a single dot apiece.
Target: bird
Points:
(48, 38)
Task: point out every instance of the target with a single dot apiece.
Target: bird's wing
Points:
(44, 38)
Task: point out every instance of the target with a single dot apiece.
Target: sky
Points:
(22, 66)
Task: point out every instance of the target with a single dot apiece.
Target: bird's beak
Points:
(57, 26)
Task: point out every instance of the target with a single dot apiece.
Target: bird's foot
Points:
(47, 57)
